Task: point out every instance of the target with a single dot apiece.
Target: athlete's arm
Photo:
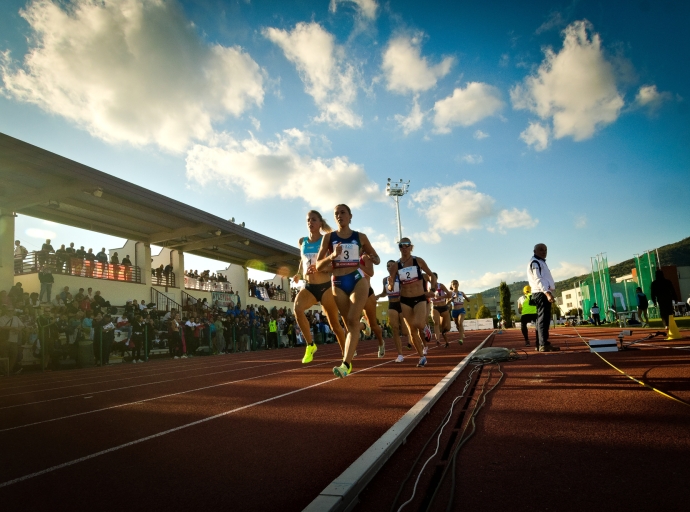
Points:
(422, 264)
(295, 278)
(367, 248)
(324, 260)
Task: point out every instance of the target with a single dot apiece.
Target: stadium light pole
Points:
(397, 189)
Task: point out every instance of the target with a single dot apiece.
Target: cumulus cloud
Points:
(413, 121)
(130, 71)
(492, 279)
(512, 219)
(574, 88)
(648, 96)
(384, 244)
(536, 135)
(472, 159)
(479, 135)
(281, 168)
(566, 270)
(467, 106)
(323, 67)
(406, 71)
(367, 8)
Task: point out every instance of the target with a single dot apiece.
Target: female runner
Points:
(370, 307)
(413, 299)
(341, 250)
(458, 299)
(317, 288)
(441, 314)
(394, 310)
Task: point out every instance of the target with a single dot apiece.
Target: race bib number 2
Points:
(408, 275)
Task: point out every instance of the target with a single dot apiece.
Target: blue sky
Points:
(564, 123)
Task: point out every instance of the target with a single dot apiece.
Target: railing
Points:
(192, 283)
(162, 278)
(77, 267)
(263, 293)
(163, 302)
(189, 301)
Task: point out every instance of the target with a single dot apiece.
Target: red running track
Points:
(251, 431)
(562, 431)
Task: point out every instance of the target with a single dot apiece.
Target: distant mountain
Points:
(677, 254)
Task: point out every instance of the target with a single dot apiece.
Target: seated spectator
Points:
(11, 332)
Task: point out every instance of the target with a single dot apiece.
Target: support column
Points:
(143, 261)
(177, 262)
(242, 288)
(6, 251)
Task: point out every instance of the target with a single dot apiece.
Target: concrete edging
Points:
(341, 494)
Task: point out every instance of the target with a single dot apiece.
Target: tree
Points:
(505, 305)
(483, 312)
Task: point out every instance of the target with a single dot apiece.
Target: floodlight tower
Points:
(397, 189)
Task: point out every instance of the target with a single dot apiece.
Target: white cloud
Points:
(581, 221)
(406, 71)
(574, 88)
(413, 121)
(383, 244)
(440, 207)
(479, 135)
(472, 159)
(130, 71)
(536, 135)
(467, 106)
(367, 8)
(491, 280)
(323, 67)
(40, 233)
(567, 270)
(648, 96)
(279, 169)
(512, 219)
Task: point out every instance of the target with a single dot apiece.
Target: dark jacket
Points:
(663, 293)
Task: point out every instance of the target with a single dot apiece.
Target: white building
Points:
(571, 299)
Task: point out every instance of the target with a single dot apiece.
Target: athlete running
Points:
(413, 299)
(441, 314)
(317, 288)
(340, 251)
(395, 320)
(458, 312)
(368, 321)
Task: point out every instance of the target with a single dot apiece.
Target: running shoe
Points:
(176, 357)
(549, 348)
(134, 361)
(422, 362)
(400, 358)
(427, 333)
(184, 356)
(309, 353)
(409, 346)
(382, 351)
(425, 350)
(342, 371)
(461, 341)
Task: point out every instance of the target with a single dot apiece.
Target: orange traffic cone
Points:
(673, 333)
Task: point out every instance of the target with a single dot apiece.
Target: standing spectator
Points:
(60, 259)
(90, 263)
(272, 333)
(595, 313)
(642, 306)
(45, 277)
(542, 285)
(45, 252)
(663, 296)
(16, 295)
(528, 309)
(137, 338)
(167, 272)
(70, 253)
(79, 256)
(20, 253)
(127, 263)
(11, 329)
(102, 259)
(220, 338)
(115, 263)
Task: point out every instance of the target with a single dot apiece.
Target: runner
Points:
(317, 288)
(369, 319)
(340, 250)
(394, 310)
(441, 313)
(413, 299)
(458, 313)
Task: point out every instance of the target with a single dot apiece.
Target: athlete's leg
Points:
(351, 310)
(331, 310)
(415, 318)
(304, 301)
(394, 322)
(370, 313)
(461, 327)
(437, 325)
(445, 325)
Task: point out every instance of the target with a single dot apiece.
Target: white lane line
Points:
(141, 375)
(170, 431)
(156, 398)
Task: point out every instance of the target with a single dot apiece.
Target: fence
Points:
(78, 267)
(162, 278)
(192, 283)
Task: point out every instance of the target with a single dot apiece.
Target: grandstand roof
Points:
(41, 184)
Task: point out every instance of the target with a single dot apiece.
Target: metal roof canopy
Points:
(41, 184)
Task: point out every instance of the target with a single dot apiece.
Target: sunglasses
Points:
(404, 244)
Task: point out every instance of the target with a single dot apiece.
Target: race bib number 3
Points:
(408, 275)
(349, 257)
